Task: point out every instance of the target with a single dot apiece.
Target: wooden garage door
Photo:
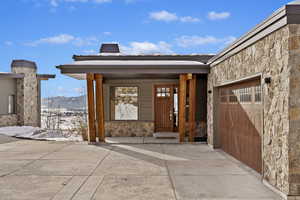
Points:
(240, 122)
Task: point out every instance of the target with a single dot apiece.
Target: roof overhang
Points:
(134, 68)
(288, 14)
(5, 75)
(45, 76)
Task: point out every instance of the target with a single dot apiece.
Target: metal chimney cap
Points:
(109, 48)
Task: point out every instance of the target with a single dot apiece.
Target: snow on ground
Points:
(29, 132)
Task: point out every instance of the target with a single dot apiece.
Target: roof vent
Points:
(109, 48)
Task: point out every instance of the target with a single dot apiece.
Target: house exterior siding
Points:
(273, 56)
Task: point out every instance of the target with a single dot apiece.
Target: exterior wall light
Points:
(268, 80)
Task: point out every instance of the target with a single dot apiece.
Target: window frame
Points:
(112, 103)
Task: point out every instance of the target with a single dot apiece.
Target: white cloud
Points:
(55, 3)
(107, 33)
(163, 16)
(169, 17)
(79, 90)
(218, 16)
(147, 48)
(65, 39)
(85, 41)
(8, 43)
(90, 52)
(192, 41)
(189, 19)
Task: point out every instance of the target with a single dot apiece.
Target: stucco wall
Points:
(7, 88)
(270, 57)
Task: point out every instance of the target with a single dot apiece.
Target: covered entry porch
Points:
(141, 95)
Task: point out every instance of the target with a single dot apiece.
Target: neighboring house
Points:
(20, 95)
(251, 91)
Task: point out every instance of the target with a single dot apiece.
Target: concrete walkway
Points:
(49, 170)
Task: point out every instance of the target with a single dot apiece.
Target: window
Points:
(257, 93)
(124, 103)
(245, 95)
(223, 95)
(11, 104)
(233, 96)
(163, 92)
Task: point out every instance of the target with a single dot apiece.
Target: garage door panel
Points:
(240, 117)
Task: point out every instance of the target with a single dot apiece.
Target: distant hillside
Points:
(69, 103)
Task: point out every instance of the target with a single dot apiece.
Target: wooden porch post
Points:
(100, 107)
(91, 107)
(182, 106)
(192, 108)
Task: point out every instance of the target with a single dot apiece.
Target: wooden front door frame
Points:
(167, 85)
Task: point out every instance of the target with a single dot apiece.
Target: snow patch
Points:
(29, 132)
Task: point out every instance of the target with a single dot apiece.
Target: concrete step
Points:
(165, 135)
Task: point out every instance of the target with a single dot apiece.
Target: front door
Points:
(165, 108)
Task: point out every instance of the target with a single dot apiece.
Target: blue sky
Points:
(49, 32)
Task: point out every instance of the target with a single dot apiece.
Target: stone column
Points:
(27, 93)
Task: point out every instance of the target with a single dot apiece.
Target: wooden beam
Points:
(192, 108)
(100, 107)
(182, 106)
(91, 107)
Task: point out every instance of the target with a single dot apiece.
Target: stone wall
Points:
(270, 57)
(8, 120)
(27, 93)
(294, 110)
(129, 128)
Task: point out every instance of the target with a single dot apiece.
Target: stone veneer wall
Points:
(27, 93)
(8, 120)
(129, 128)
(294, 110)
(269, 56)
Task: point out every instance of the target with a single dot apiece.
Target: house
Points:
(20, 99)
(248, 95)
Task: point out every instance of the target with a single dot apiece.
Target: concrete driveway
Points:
(51, 170)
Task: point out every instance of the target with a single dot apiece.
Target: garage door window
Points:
(224, 95)
(245, 95)
(257, 91)
(233, 96)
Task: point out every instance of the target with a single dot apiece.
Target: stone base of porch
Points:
(129, 128)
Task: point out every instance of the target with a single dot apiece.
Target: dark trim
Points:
(200, 58)
(11, 75)
(288, 14)
(143, 69)
(45, 76)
